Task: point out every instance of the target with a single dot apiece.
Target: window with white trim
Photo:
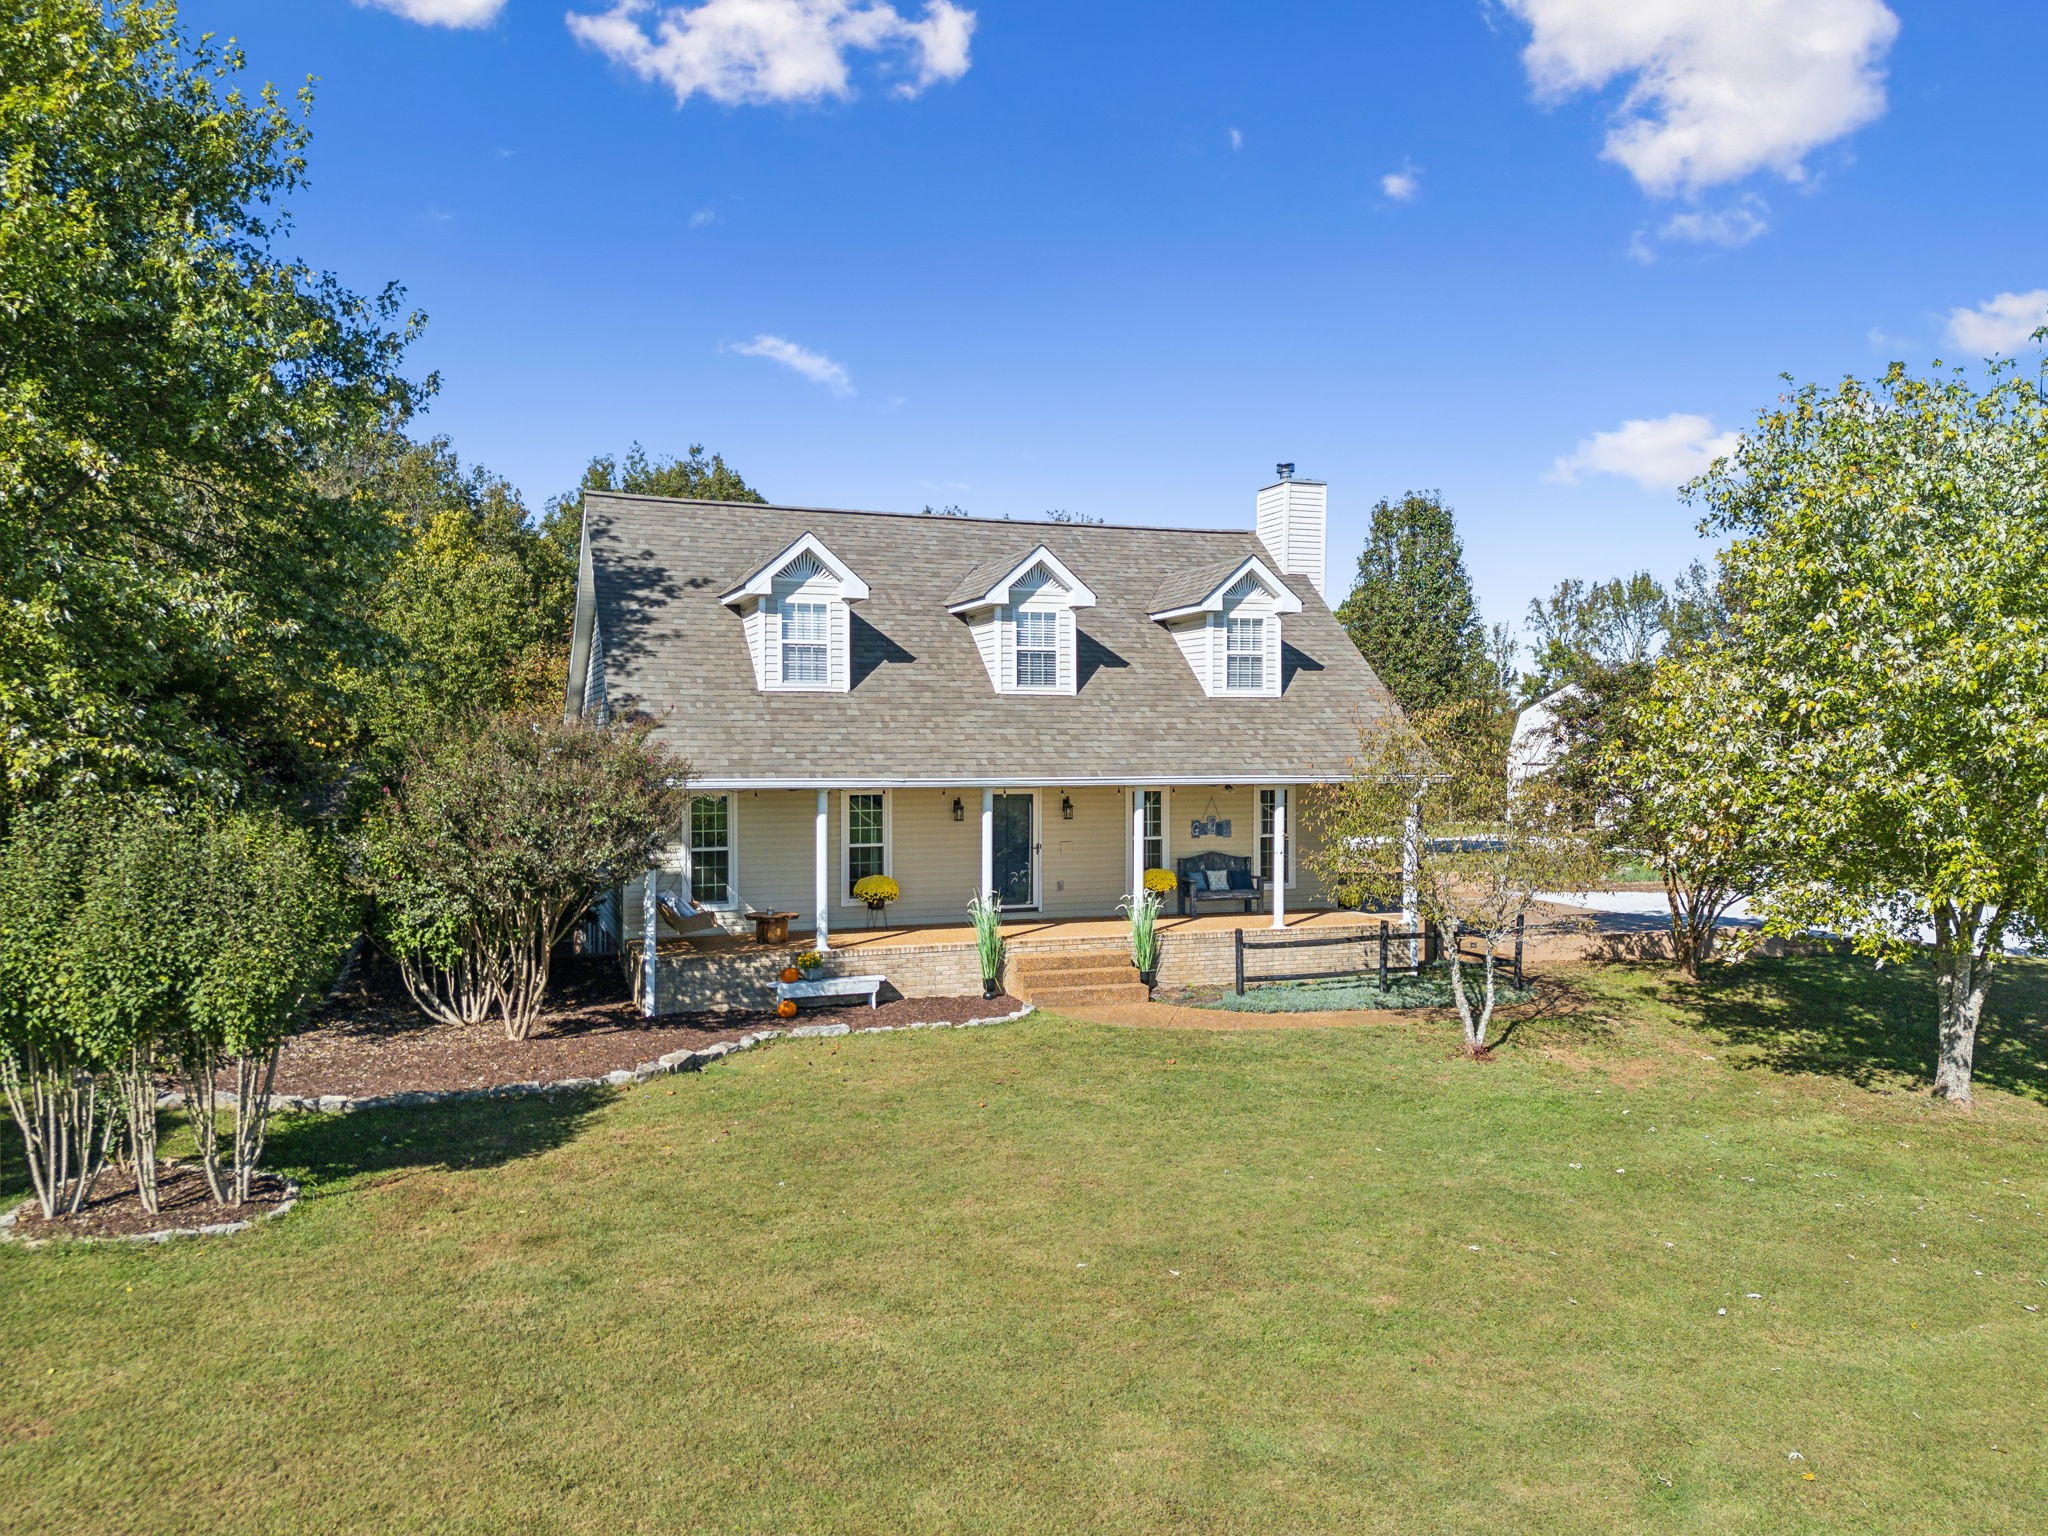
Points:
(711, 850)
(1244, 655)
(806, 642)
(1268, 800)
(866, 838)
(1038, 650)
(1155, 829)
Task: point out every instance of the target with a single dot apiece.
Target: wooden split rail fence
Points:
(1428, 940)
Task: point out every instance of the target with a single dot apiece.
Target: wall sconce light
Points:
(1066, 808)
(959, 810)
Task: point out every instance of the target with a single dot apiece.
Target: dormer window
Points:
(806, 644)
(1038, 649)
(796, 611)
(1244, 657)
(1021, 615)
(1226, 619)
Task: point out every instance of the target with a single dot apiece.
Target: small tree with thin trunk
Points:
(493, 845)
(1486, 849)
(1889, 628)
(55, 1082)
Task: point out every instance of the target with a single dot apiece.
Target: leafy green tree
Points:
(475, 613)
(54, 1079)
(1673, 773)
(1411, 611)
(493, 845)
(1889, 626)
(693, 477)
(177, 593)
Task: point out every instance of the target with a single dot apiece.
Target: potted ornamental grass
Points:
(986, 914)
(1143, 913)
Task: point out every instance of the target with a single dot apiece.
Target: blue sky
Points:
(1122, 258)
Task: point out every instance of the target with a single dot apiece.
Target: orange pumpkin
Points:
(786, 1009)
(791, 973)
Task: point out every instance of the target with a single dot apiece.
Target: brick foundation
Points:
(745, 980)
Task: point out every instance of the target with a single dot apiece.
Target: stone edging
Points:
(210, 1229)
(624, 1077)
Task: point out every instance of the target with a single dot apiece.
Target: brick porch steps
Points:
(1070, 980)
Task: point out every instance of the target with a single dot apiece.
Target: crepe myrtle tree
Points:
(493, 844)
(1889, 628)
(1483, 849)
(56, 1081)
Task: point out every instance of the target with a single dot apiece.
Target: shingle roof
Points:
(985, 575)
(921, 707)
(1180, 588)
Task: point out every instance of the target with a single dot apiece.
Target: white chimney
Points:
(1294, 520)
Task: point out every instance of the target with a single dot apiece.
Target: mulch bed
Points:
(182, 1197)
(372, 1040)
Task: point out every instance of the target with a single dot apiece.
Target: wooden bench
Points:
(1192, 881)
(869, 987)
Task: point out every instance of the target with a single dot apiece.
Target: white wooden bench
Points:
(831, 986)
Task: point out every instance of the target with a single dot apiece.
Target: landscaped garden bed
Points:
(184, 1205)
(371, 1041)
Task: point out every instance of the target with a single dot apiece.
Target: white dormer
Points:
(1226, 621)
(1022, 617)
(798, 620)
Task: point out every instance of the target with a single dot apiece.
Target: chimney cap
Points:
(1284, 471)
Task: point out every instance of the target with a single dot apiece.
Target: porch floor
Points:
(1056, 930)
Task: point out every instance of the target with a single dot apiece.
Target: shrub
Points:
(495, 842)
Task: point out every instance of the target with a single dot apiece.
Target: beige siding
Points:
(1084, 864)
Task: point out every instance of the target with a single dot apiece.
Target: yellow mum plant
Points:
(876, 890)
(1160, 881)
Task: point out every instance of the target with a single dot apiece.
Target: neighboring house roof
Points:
(920, 708)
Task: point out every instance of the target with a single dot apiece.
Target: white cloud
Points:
(1717, 89)
(442, 13)
(1737, 224)
(1659, 455)
(1404, 185)
(756, 51)
(703, 218)
(2003, 324)
(815, 366)
(1237, 138)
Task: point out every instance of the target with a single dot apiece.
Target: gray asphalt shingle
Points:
(921, 707)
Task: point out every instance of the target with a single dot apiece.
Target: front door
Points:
(1016, 852)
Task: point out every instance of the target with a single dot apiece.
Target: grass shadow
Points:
(1841, 1016)
(459, 1137)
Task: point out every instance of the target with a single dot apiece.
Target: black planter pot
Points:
(989, 987)
(1150, 978)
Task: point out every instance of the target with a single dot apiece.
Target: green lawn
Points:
(1052, 1277)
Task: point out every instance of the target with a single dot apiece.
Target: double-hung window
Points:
(867, 848)
(711, 850)
(1244, 655)
(1155, 829)
(1269, 800)
(1038, 655)
(805, 639)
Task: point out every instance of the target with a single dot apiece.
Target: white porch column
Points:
(988, 844)
(650, 931)
(1280, 858)
(1411, 864)
(1137, 843)
(823, 845)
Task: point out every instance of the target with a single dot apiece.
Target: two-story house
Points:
(1040, 711)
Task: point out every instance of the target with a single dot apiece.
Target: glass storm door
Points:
(1016, 854)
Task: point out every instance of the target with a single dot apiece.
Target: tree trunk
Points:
(56, 1105)
(254, 1076)
(138, 1092)
(197, 1067)
(1962, 977)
